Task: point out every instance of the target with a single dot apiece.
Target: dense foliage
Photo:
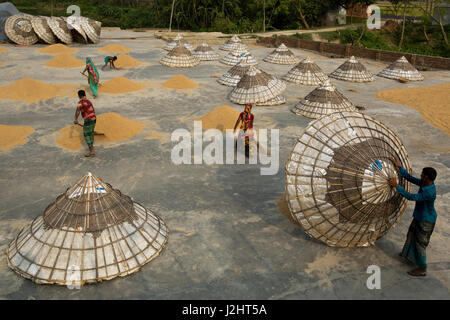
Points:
(230, 16)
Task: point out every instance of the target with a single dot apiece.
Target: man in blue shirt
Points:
(425, 216)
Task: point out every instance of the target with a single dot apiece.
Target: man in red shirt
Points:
(88, 113)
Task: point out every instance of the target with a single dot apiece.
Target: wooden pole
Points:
(264, 12)
(171, 16)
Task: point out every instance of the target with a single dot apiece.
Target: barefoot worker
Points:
(93, 76)
(88, 113)
(425, 216)
(245, 120)
(110, 60)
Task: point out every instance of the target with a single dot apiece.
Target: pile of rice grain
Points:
(115, 48)
(115, 127)
(221, 118)
(30, 90)
(3, 49)
(12, 136)
(432, 102)
(124, 61)
(120, 85)
(64, 61)
(58, 48)
(180, 82)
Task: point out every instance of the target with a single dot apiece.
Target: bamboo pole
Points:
(171, 16)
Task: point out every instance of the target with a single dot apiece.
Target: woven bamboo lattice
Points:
(401, 69)
(18, 28)
(232, 44)
(323, 100)
(235, 74)
(60, 29)
(179, 57)
(282, 55)
(352, 70)
(205, 53)
(306, 72)
(78, 34)
(278, 100)
(40, 26)
(234, 57)
(256, 86)
(92, 29)
(336, 180)
(91, 230)
(176, 41)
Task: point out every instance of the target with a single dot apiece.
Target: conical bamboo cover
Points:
(179, 57)
(60, 29)
(234, 57)
(278, 100)
(40, 26)
(92, 29)
(205, 53)
(232, 44)
(90, 233)
(176, 41)
(401, 69)
(337, 179)
(352, 70)
(323, 100)
(307, 73)
(235, 74)
(256, 86)
(282, 55)
(18, 28)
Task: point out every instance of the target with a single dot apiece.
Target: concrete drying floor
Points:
(227, 237)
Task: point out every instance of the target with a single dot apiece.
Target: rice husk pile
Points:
(12, 136)
(64, 61)
(120, 85)
(221, 118)
(3, 50)
(180, 82)
(115, 127)
(58, 48)
(432, 102)
(30, 90)
(115, 48)
(126, 61)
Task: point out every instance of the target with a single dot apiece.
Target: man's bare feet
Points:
(418, 272)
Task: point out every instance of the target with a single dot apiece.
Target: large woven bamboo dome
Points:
(90, 233)
(323, 100)
(234, 57)
(205, 53)
(306, 72)
(179, 57)
(336, 180)
(18, 28)
(176, 41)
(78, 34)
(282, 55)
(278, 100)
(352, 70)
(40, 26)
(235, 74)
(401, 69)
(92, 29)
(232, 44)
(256, 86)
(60, 29)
